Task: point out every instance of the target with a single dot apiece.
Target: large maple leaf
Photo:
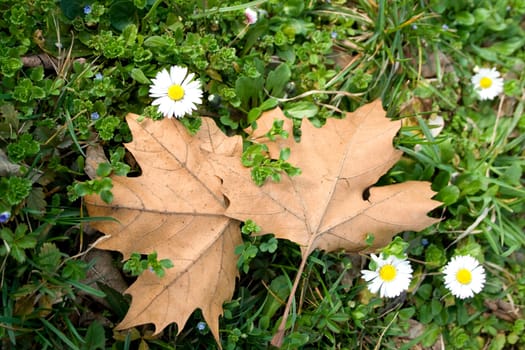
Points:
(175, 208)
(331, 205)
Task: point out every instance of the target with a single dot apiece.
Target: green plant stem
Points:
(215, 10)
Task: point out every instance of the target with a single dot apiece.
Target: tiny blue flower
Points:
(99, 76)
(87, 10)
(4, 216)
(201, 326)
(333, 35)
(424, 242)
(414, 26)
(95, 116)
(444, 27)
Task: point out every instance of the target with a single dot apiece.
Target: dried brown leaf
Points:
(332, 205)
(175, 208)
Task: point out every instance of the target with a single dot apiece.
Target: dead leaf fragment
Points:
(176, 208)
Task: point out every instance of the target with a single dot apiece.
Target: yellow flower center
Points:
(387, 273)
(464, 276)
(485, 83)
(176, 92)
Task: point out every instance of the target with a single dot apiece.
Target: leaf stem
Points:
(278, 337)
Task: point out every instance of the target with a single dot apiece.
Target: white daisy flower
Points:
(175, 92)
(464, 276)
(487, 83)
(391, 276)
(250, 15)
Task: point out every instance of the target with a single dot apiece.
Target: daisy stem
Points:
(238, 36)
(377, 347)
(495, 129)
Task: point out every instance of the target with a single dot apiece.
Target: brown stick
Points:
(40, 60)
(46, 61)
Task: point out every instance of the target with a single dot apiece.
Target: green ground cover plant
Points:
(71, 70)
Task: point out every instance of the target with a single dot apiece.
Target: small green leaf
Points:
(485, 53)
(15, 189)
(95, 337)
(435, 256)
(249, 227)
(85, 288)
(122, 13)
(465, 18)
(138, 75)
(270, 246)
(269, 104)
(249, 91)
(277, 79)
(49, 257)
(166, 263)
(104, 169)
(155, 41)
(448, 195)
(481, 15)
(25, 147)
(513, 174)
(431, 334)
(72, 8)
(36, 201)
(300, 110)
(369, 239)
(397, 247)
(254, 114)
(106, 196)
(284, 154)
(75, 269)
(508, 47)
(116, 301)
(293, 8)
(37, 74)
(37, 93)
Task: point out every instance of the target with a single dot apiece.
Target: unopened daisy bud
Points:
(464, 276)
(250, 16)
(487, 83)
(390, 277)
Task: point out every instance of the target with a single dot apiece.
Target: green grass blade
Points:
(59, 334)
